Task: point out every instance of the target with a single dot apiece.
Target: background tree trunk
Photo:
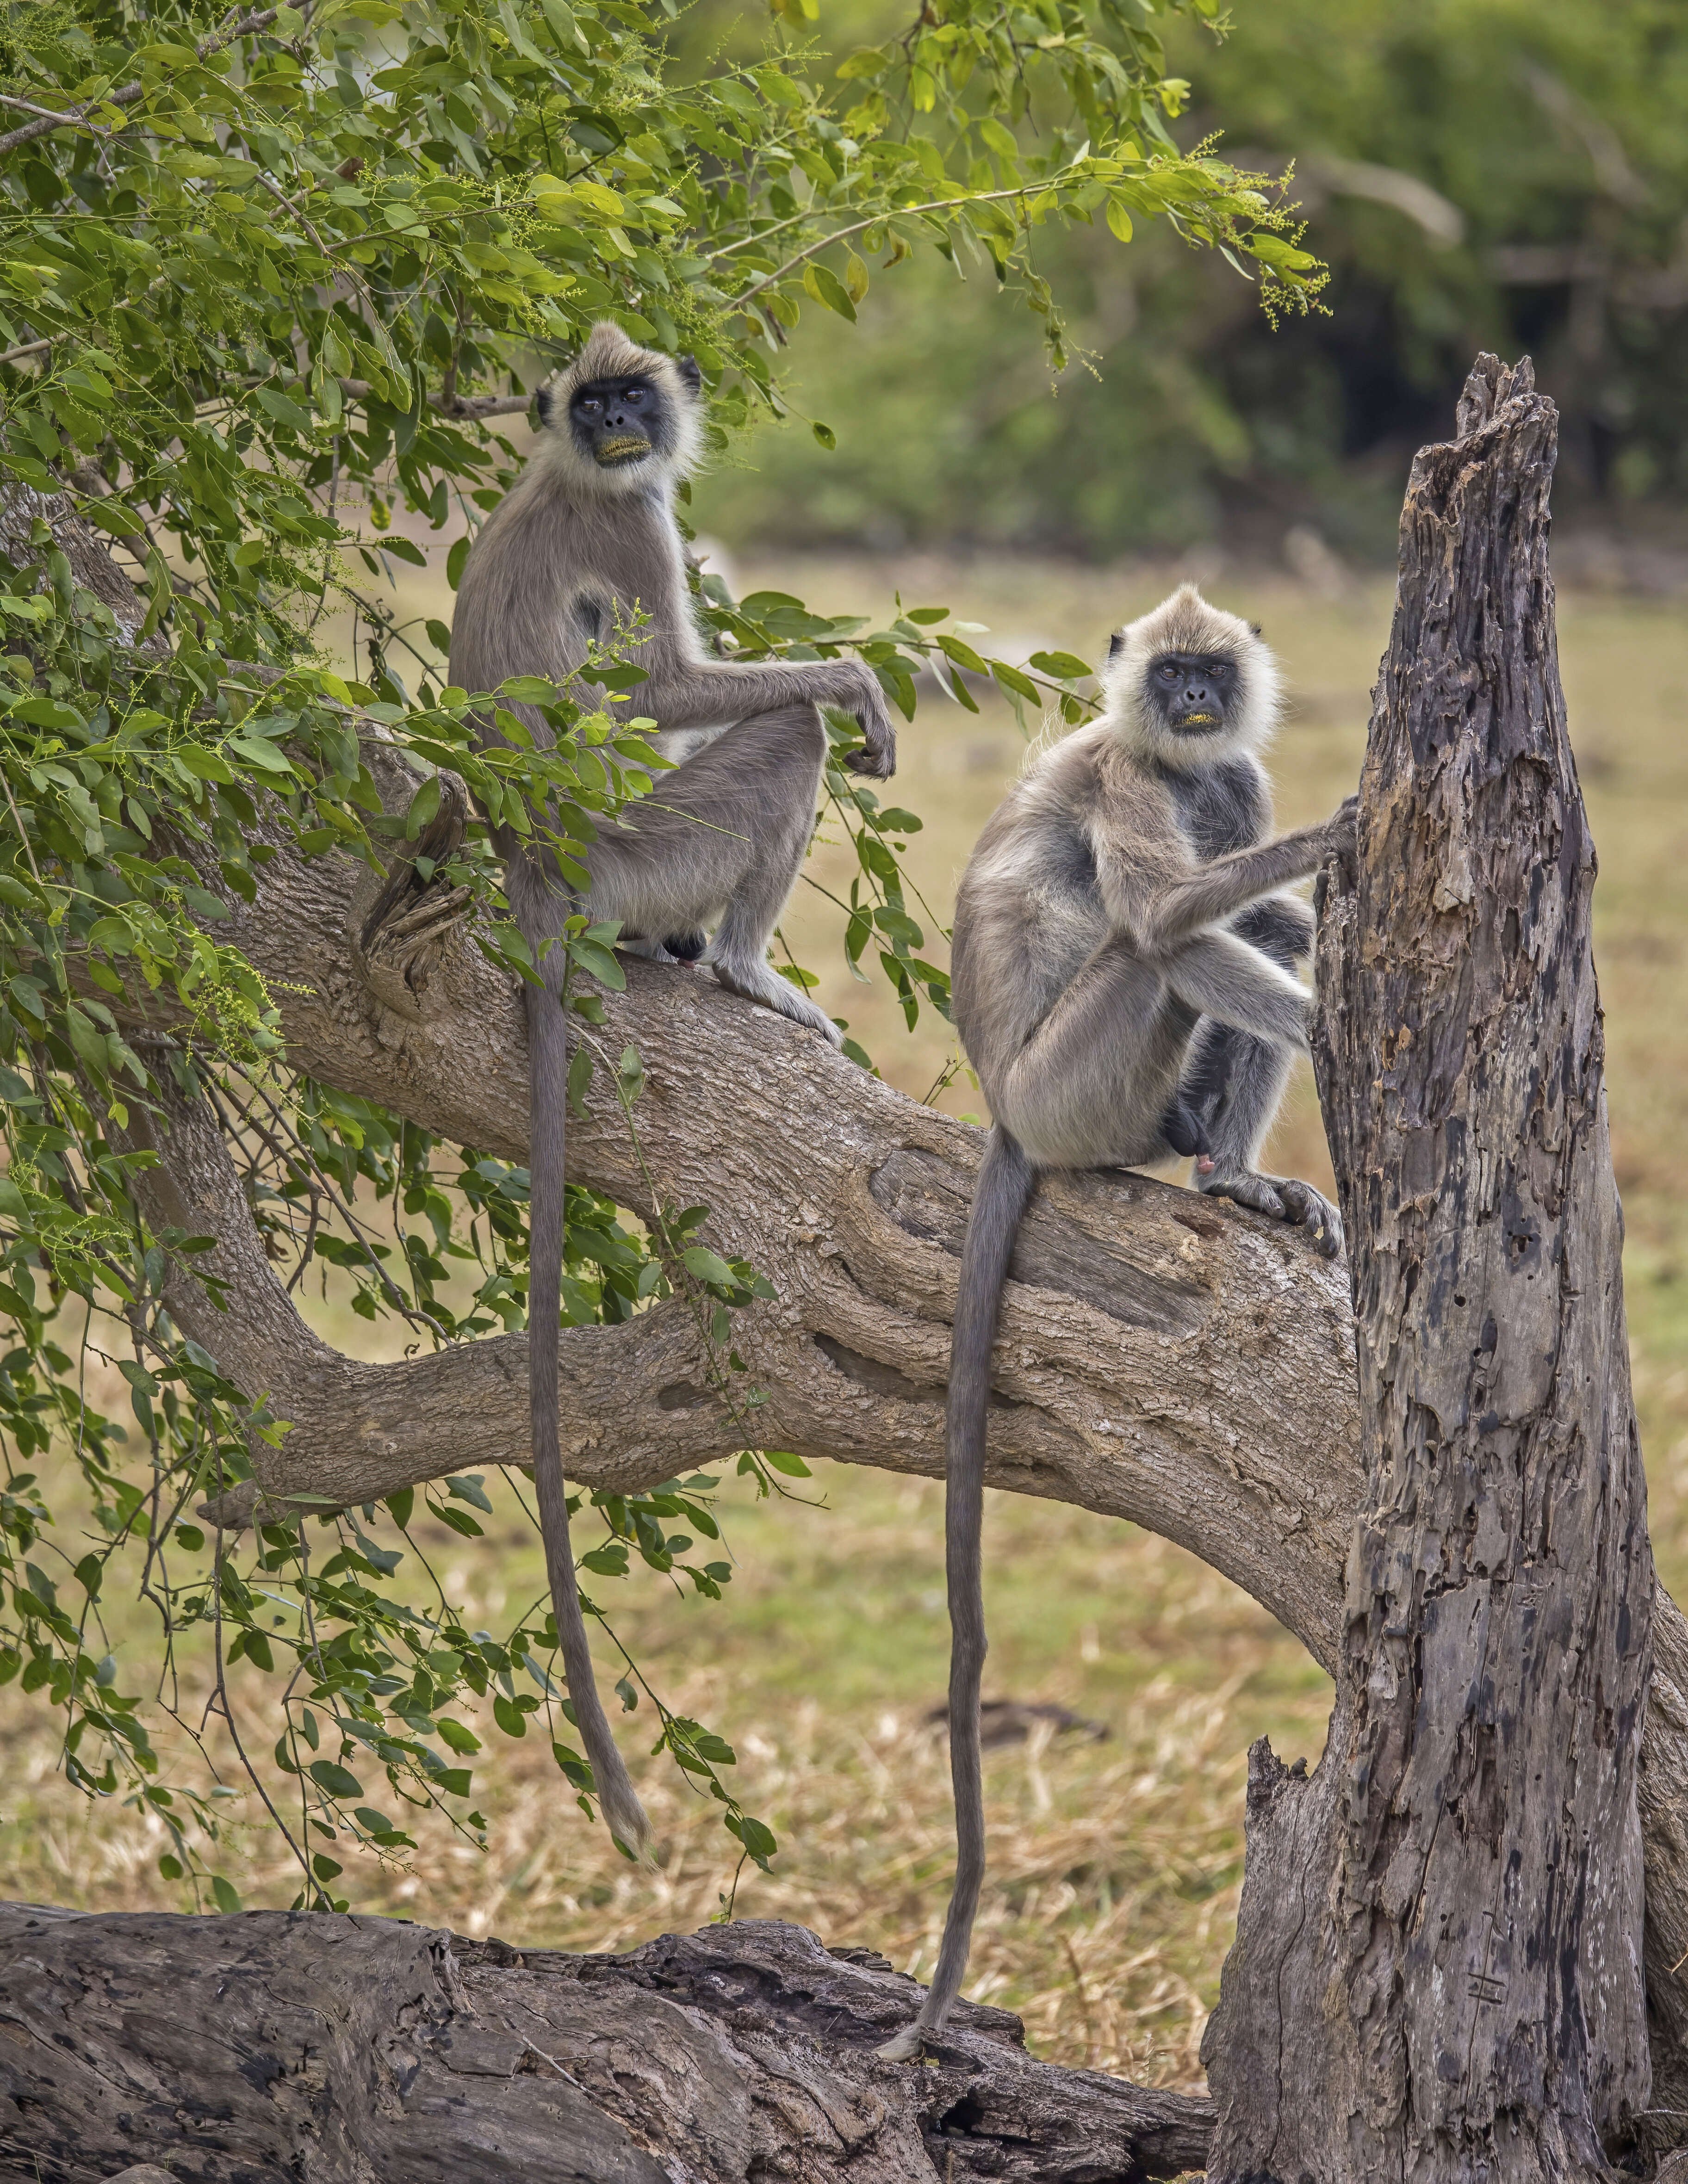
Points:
(279, 2046)
(1437, 1972)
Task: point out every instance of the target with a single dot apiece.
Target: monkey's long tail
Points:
(1004, 1189)
(547, 1096)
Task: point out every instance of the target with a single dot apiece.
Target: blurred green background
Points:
(1509, 175)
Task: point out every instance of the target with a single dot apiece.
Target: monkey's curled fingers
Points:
(1310, 1209)
(865, 701)
(1280, 1198)
(1342, 829)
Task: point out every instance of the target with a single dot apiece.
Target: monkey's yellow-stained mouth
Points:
(1198, 721)
(625, 448)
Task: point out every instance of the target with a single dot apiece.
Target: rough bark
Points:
(279, 2045)
(1437, 1972)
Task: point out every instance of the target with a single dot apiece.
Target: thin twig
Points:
(880, 220)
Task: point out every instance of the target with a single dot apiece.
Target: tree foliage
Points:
(267, 280)
(1506, 175)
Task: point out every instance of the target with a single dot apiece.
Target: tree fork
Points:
(1437, 1972)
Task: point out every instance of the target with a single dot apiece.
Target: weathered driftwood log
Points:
(1437, 1972)
(365, 2051)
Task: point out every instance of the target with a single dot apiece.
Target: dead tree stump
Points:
(1437, 1973)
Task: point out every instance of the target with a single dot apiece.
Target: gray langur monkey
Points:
(1124, 986)
(585, 544)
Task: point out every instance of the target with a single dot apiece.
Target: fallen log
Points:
(279, 2045)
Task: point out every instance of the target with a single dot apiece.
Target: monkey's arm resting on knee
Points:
(706, 691)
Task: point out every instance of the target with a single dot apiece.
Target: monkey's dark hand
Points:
(1342, 830)
(1280, 1198)
(860, 696)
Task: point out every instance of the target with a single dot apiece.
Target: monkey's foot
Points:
(903, 2047)
(758, 984)
(1280, 1198)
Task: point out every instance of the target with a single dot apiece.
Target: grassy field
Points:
(1116, 1859)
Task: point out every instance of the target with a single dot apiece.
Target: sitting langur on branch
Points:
(1124, 986)
(583, 545)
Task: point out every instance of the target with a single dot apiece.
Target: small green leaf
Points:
(334, 1780)
(757, 1839)
(423, 806)
(1065, 667)
(826, 287)
(1010, 678)
(597, 962)
(207, 765)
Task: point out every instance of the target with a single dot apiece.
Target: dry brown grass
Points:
(1114, 1864)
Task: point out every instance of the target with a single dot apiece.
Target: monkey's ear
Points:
(690, 377)
(1256, 628)
(541, 403)
(1116, 645)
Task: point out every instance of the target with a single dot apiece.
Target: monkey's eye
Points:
(635, 394)
(1169, 672)
(591, 402)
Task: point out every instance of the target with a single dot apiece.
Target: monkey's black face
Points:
(619, 423)
(1192, 692)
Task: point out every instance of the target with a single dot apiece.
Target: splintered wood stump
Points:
(1438, 1966)
(322, 2049)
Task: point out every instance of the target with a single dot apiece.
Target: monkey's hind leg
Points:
(729, 827)
(1233, 1084)
(777, 758)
